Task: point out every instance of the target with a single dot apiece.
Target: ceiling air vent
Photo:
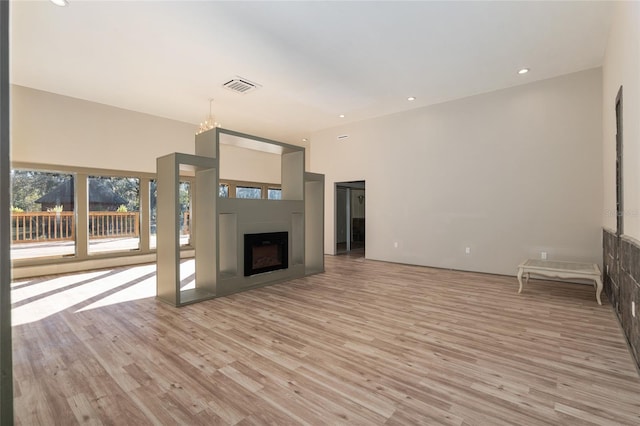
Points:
(241, 85)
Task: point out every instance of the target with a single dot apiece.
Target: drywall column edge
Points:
(168, 240)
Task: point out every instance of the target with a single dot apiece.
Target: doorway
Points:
(619, 192)
(350, 217)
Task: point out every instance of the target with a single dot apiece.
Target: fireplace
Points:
(265, 252)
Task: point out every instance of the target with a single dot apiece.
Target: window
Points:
(223, 192)
(153, 213)
(184, 196)
(42, 214)
(274, 194)
(248, 192)
(114, 213)
(185, 213)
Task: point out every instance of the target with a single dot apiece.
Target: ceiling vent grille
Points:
(241, 85)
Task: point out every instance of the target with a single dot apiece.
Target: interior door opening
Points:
(350, 217)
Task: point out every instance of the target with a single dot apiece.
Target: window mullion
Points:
(82, 215)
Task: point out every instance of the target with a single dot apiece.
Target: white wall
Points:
(509, 174)
(54, 129)
(249, 165)
(622, 68)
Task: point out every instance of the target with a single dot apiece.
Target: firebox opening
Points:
(265, 252)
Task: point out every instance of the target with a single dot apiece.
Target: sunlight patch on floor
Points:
(187, 275)
(140, 284)
(40, 298)
(23, 290)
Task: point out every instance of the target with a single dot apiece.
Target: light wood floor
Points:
(365, 343)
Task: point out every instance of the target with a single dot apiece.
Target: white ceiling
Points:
(314, 60)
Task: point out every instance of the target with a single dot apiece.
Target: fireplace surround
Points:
(219, 248)
(265, 252)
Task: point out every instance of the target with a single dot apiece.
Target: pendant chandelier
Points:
(209, 123)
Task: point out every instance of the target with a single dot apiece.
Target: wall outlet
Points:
(395, 244)
(467, 250)
(543, 255)
(633, 308)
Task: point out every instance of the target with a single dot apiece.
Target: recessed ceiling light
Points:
(523, 71)
(60, 2)
(411, 98)
(341, 116)
(305, 140)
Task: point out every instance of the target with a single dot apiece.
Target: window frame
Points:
(263, 186)
(81, 178)
(52, 171)
(81, 241)
(95, 239)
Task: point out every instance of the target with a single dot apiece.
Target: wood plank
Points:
(366, 342)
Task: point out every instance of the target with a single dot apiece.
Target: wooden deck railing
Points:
(114, 224)
(53, 226)
(38, 226)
